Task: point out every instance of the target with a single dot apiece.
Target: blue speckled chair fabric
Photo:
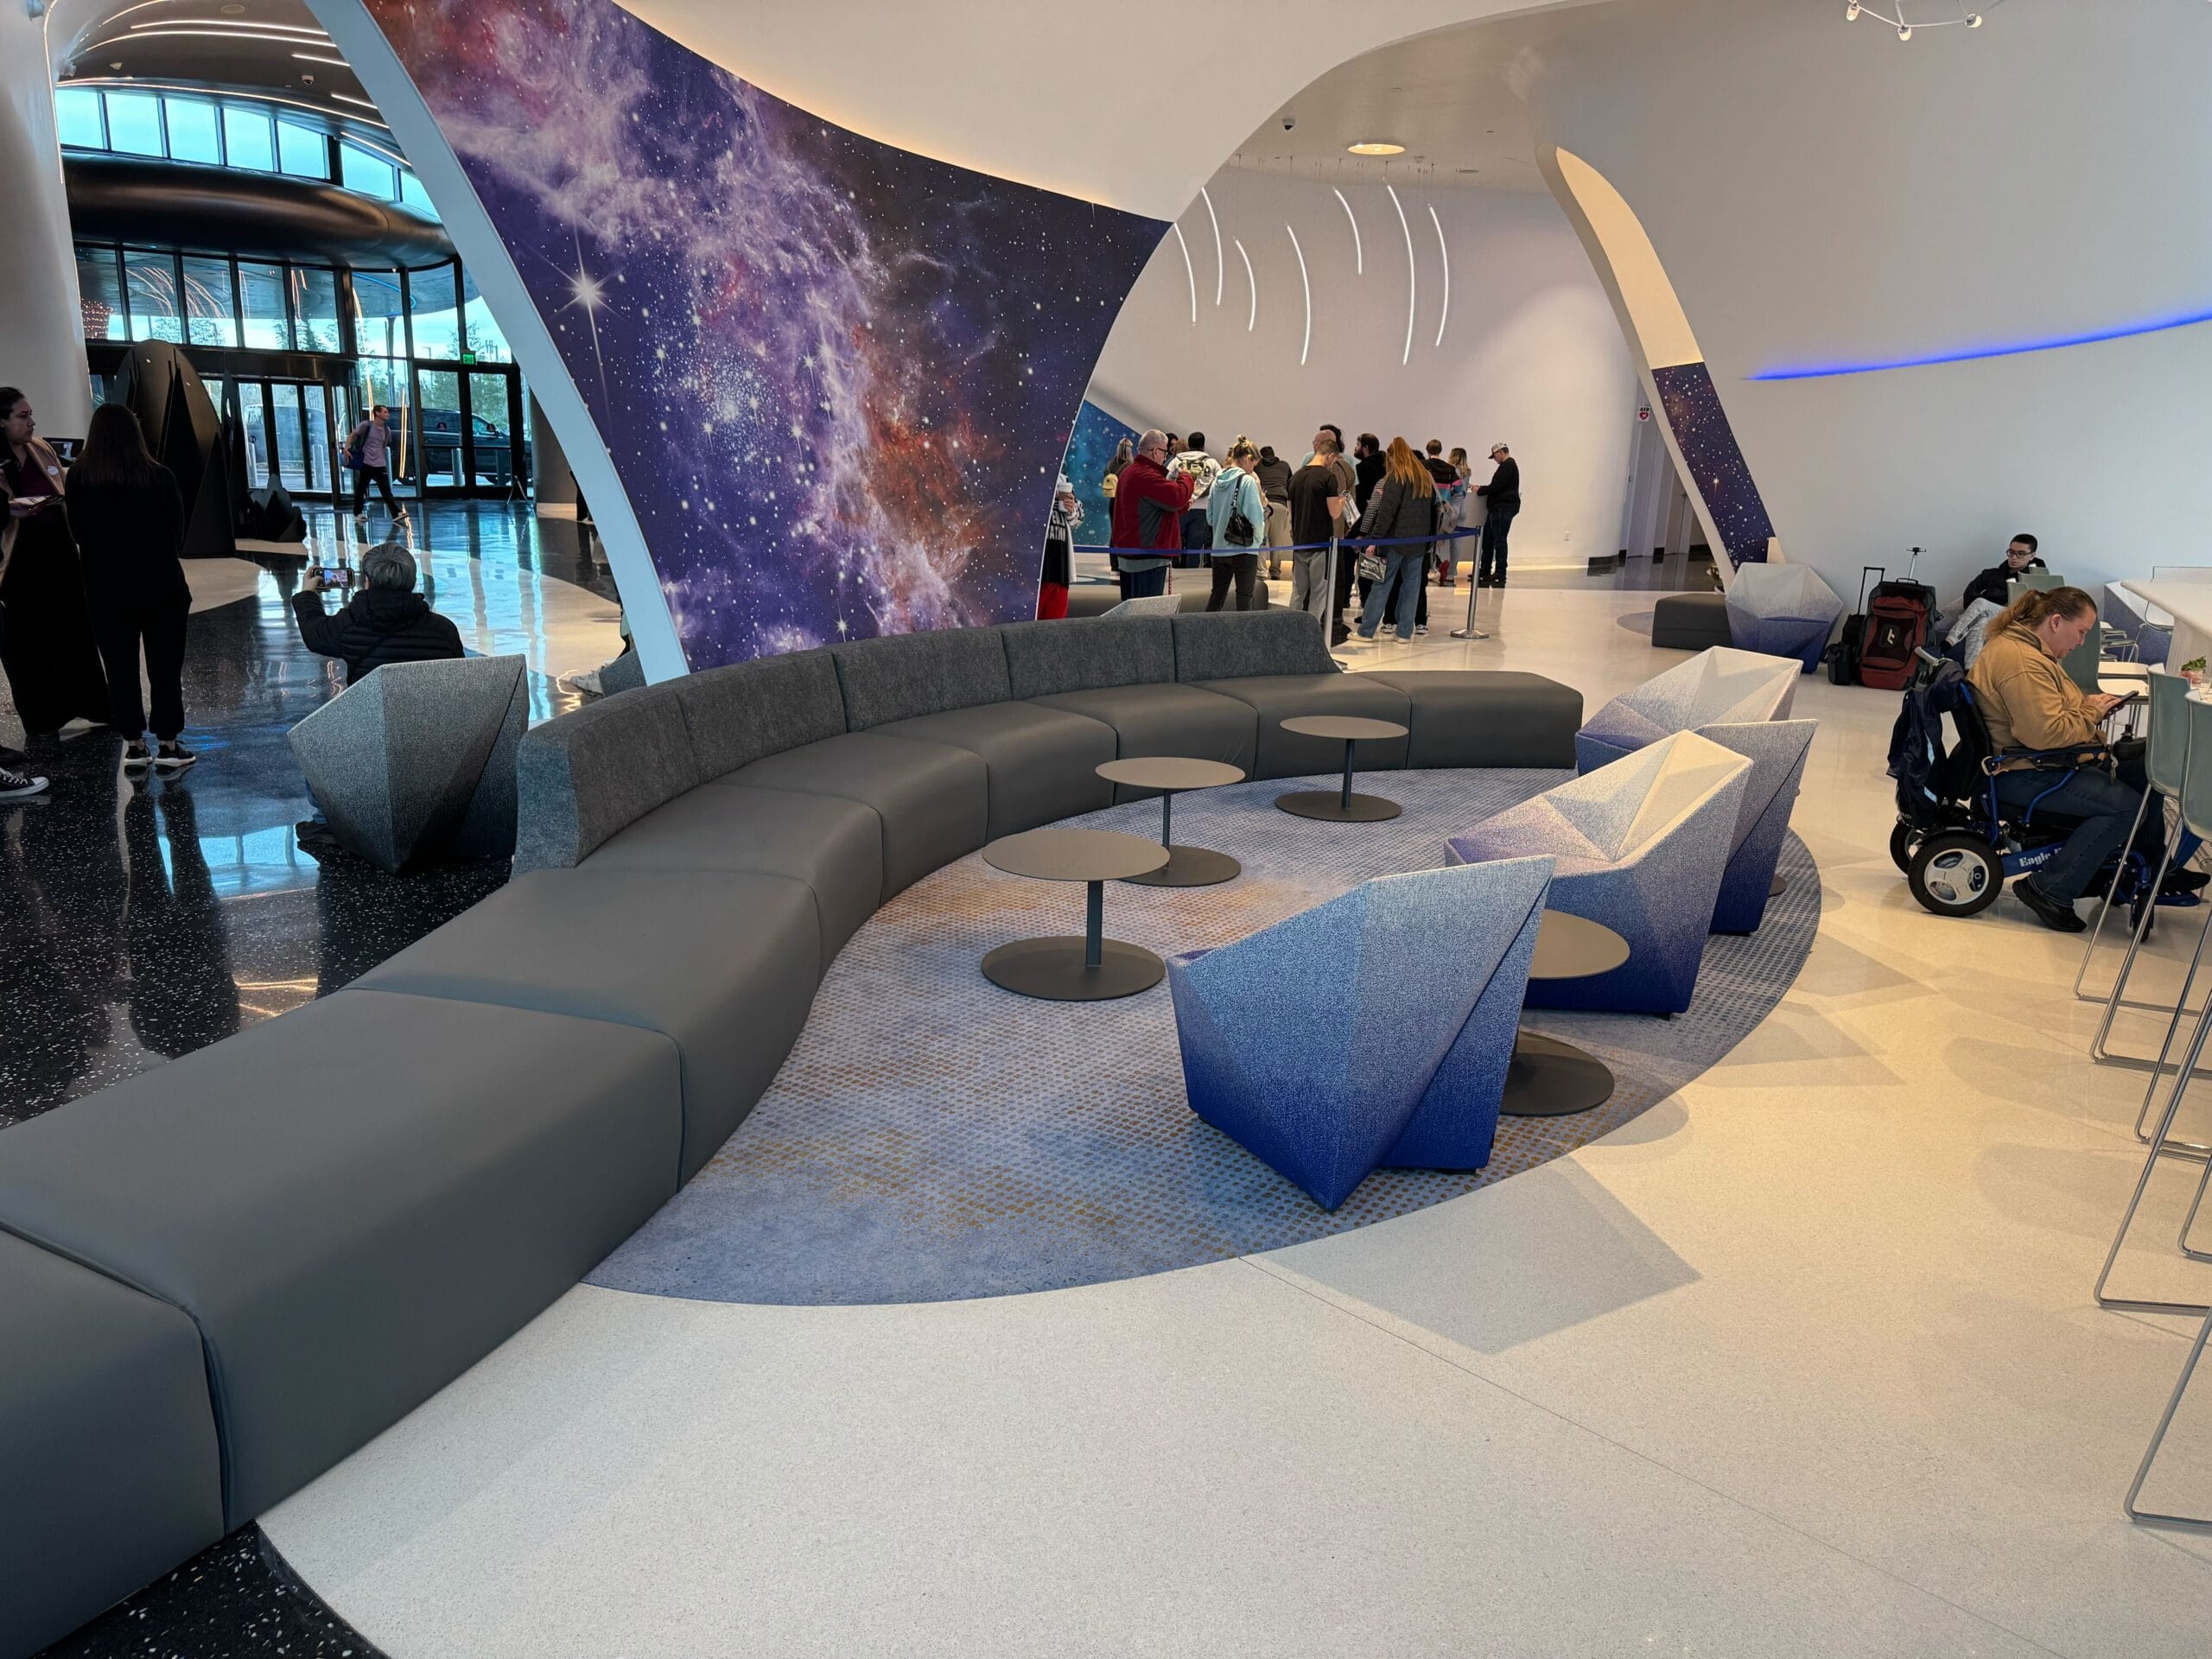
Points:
(1782, 609)
(1641, 846)
(1776, 750)
(1371, 1030)
(1718, 686)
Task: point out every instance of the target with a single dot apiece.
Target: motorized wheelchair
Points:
(1956, 843)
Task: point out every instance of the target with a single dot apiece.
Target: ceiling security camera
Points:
(1289, 122)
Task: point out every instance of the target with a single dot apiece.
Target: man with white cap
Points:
(1501, 501)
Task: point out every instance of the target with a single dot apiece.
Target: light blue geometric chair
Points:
(1776, 750)
(1718, 686)
(1372, 1030)
(1640, 846)
(1785, 610)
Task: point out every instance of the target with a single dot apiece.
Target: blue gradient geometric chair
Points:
(1718, 686)
(1372, 1030)
(1785, 610)
(1640, 846)
(1776, 750)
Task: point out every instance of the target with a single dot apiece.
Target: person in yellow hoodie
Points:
(2029, 703)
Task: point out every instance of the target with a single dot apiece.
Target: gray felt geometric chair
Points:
(1394, 1009)
(1718, 686)
(1785, 609)
(1776, 750)
(417, 761)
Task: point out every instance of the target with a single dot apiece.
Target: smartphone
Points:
(336, 575)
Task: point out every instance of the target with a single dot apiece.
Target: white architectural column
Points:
(41, 328)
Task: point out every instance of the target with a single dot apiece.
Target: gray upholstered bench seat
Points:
(1277, 697)
(353, 1203)
(1043, 762)
(1486, 717)
(721, 962)
(833, 845)
(1691, 622)
(933, 800)
(110, 1474)
(1169, 719)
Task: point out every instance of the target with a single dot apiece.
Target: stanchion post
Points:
(1471, 632)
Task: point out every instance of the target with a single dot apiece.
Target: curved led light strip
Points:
(1188, 272)
(1220, 267)
(1973, 353)
(1445, 254)
(1307, 345)
(1251, 317)
(1406, 356)
(1358, 254)
(225, 23)
(163, 33)
(130, 84)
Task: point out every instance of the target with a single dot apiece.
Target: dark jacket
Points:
(1148, 508)
(379, 626)
(1274, 473)
(1397, 511)
(1368, 470)
(1503, 493)
(128, 542)
(1990, 584)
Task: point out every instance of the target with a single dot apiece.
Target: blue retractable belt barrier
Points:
(1284, 547)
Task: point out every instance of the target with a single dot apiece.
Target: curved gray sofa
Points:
(220, 1277)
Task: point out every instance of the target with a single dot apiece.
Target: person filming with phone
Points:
(387, 621)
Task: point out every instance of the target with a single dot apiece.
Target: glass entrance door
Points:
(495, 460)
(291, 435)
(470, 438)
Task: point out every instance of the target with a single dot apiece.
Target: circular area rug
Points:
(933, 1137)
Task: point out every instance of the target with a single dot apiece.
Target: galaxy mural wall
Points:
(1091, 451)
(835, 379)
(1709, 450)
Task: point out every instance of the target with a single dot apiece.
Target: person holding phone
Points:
(46, 637)
(128, 517)
(387, 622)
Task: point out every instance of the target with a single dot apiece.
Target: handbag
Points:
(1238, 530)
(1370, 568)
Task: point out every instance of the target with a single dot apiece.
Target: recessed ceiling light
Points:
(1375, 147)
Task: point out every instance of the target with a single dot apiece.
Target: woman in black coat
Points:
(128, 518)
(53, 666)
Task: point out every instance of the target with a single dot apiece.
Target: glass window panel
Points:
(208, 312)
(384, 380)
(379, 325)
(253, 431)
(484, 336)
(261, 292)
(100, 289)
(134, 123)
(291, 434)
(302, 151)
(315, 309)
(192, 131)
(77, 114)
(437, 320)
(371, 175)
(247, 140)
(440, 426)
(150, 279)
(412, 193)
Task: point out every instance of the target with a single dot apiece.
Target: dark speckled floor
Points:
(140, 920)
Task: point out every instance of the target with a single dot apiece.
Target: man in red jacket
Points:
(1148, 508)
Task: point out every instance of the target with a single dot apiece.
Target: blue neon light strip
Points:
(2126, 331)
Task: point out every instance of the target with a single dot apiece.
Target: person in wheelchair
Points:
(2033, 708)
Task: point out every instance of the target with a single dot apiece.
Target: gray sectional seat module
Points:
(220, 1277)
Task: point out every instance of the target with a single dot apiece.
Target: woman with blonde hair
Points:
(1402, 510)
(1235, 514)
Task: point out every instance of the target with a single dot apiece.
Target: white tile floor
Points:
(1801, 1362)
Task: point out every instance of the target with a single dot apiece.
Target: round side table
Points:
(1187, 867)
(1344, 806)
(1547, 1078)
(1088, 968)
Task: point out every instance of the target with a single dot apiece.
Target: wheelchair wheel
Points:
(1955, 874)
(1901, 844)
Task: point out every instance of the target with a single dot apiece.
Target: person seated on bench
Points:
(2029, 703)
(387, 622)
(2019, 559)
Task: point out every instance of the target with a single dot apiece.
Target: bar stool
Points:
(2165, 761)
(2197, 816)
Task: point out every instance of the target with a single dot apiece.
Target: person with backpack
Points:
(1235, 512)
(368, 453)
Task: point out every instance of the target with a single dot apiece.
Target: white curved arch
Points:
(1358, 251)
(1307, 344)
(1412, 282)
(1251, 316)
(1189, 272)
(1220, 266)
(1445, 254)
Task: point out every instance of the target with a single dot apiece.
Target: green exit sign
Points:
(467, 358)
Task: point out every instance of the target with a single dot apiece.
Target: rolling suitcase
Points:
(1897, 618)
(1842, 656)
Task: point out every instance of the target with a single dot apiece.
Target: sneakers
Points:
(1421, 627)
(2054, 913)
(135, 757)
(172, 757)
(19, 785)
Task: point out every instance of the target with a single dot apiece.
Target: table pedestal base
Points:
(1777, 888)
(1332, 806)
(1189, 866)
(1053, 969)
(1549, 1078)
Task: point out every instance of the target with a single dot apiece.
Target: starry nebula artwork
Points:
(1090, 450)
(837, 379)
(1708, 443)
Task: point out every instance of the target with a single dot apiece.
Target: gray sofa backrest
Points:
(1088, 654)
(1230, 645)
(580, 779)
(900, 676)
(739, 713)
